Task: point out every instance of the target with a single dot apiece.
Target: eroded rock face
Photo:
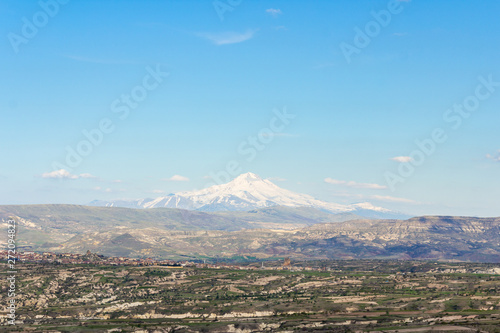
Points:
(471, 239)
(301, 232)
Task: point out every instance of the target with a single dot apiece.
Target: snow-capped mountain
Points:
(246, 192)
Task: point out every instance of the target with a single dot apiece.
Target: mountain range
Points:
(248, 192)
(249, 217)
(271, 232)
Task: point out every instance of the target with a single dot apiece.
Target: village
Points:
(93, 258)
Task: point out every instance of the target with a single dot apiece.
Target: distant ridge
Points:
(246, 192)
(278, 231)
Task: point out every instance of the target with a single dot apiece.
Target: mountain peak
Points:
(245, 192)
(249, 176)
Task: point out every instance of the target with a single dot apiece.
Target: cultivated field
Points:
(328, 296)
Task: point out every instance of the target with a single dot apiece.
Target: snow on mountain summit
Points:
(245, 192)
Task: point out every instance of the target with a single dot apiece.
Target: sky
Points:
(390, 102)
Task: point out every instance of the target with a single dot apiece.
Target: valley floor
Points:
(344, 296)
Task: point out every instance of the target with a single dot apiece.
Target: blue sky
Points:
(232, 68)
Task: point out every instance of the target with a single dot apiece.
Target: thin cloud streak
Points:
(402, 159)
(274, 12)
(225, 38)
(177, 178)
(65, 174)
(385, 198)
(355, 184)
(495, 158)
(392, 199)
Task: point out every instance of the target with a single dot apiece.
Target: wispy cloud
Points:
(402, 159)
(495, 157)
(64, 174)
(107, 190)
(355, 184)
(274, 12)
(158, 191)
(86, 175)
(386, 198)
(100, 189)
(177, 178)
(224, 38)
(400, 34)
(392, 199)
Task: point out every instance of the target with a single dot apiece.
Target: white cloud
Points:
(355, 184)
(402, 159)
(224, 38)
(59, 174)
(107, 190)
(274, 12)
(177, 178)
(495, 158)
(376, 197)
(158, 191)
(392, 199)
(65, 174)
(86, 175)
(117, 181)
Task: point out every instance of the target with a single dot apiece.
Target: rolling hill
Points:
(300, 232)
